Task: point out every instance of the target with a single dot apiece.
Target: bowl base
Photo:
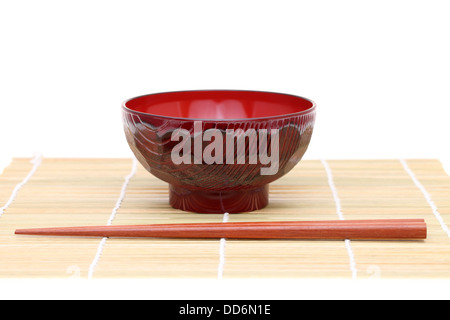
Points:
(235, 201)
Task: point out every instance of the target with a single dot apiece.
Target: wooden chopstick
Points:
(383, 229)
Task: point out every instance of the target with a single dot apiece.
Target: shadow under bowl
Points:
(218, 149)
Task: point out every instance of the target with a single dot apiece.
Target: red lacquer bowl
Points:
(218, 149)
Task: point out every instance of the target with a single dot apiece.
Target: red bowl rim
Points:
(282, 116)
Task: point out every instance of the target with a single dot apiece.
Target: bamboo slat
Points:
(75, 192)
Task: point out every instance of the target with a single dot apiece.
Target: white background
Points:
(379, 71)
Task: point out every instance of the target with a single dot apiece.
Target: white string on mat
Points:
(337, 201)
(112, 216)
(36, 161)
(427, 197)
(223, 242)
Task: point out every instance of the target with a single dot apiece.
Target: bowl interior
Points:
(219, 104)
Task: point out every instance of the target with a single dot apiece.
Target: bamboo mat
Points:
(72, 192)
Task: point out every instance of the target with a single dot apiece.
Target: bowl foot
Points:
(235, 201)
